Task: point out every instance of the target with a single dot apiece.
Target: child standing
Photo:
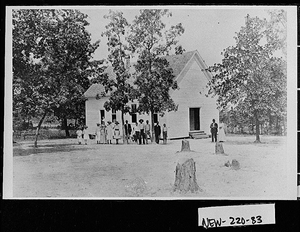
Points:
(79, 135)
(85, 135)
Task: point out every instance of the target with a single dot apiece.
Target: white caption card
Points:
(238, 215)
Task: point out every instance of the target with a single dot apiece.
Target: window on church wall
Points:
(133, 118)
(155, 117)
(102, 115)
(113, 115)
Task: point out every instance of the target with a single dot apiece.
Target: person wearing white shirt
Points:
(142, 132)
(147, 131)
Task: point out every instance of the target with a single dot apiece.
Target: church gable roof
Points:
(94, 89)
(176, 62)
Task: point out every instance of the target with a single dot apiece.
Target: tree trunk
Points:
(185, 145)
(38, 129)
(123, 127)
(257, 140)
(66, 127)
(185, 177)
(152, 127)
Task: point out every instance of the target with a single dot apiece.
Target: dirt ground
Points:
(64, 169)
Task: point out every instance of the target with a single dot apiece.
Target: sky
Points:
(207, 29)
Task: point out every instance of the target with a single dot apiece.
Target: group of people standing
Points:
(214, 129)
(141, 132)
(104, 133)
(138, 133)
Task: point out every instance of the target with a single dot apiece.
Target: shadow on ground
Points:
(275, 141)
(49, 148)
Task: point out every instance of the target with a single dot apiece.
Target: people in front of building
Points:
(109, 132)
(127, 128)
(85, 135)
(142, 132)
(165, 133)
(117, 134)
(157, 132)
(147, 131)
(97, 132)
(214, 130)
(79, 136)
(136, 132)
(222, 136)
(102, 133)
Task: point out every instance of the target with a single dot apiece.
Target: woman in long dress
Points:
(79, 135)
(98, 133)
(109, 132)
(85, 135)
(222, 136)
(102, 134)
(117, 134)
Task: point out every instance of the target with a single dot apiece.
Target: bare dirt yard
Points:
(64, 169)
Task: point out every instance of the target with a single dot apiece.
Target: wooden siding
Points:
(191, 94)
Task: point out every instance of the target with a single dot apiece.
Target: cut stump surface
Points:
(185, 177)
(219, 148)
(185, 145)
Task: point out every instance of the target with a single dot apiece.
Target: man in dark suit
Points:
(128, 130)
(214, 130)
(157, 132)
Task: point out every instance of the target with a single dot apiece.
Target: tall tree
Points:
(250, 78)
(52, 54)
(276, 30)
(151, 40)
(119, 85)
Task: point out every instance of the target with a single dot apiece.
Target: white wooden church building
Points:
(195, 110)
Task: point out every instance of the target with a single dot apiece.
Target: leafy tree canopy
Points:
(52, 54)
(249, 77)
(154, 78)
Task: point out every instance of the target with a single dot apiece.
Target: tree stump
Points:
(235, 164)
(227, 164)
(185, 145)
(219, 148)
(185, 177)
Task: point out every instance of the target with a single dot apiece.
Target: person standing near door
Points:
(157, 132)
(222, 136)
(214, 130)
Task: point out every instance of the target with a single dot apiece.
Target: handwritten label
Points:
(238, 215)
